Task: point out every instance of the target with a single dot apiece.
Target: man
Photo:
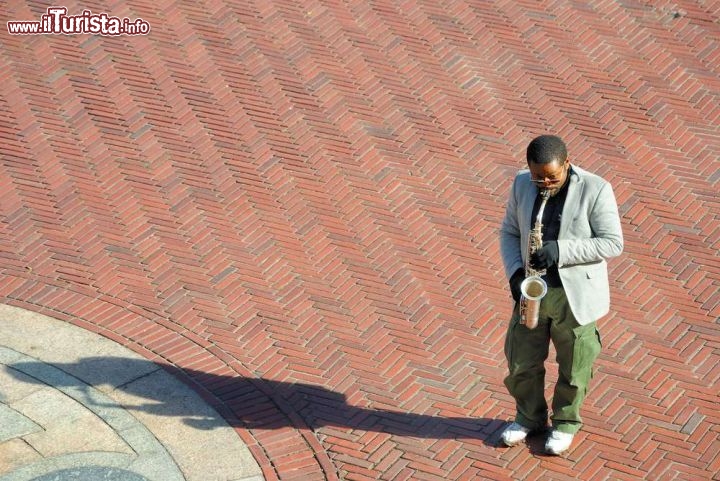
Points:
(581, 229)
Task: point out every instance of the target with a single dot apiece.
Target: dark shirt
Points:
(551, 225)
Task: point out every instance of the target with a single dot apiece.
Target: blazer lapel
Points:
(528, 205)
(572, 201)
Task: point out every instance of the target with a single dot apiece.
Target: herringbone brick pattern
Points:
(298, 204)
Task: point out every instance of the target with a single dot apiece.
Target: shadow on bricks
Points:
(255, 403)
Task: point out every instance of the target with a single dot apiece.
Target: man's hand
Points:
(515, 282)
(545, 257)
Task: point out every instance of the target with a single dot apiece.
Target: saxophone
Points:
(533, 288)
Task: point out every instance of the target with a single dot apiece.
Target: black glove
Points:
(545, 257)
(515, 282)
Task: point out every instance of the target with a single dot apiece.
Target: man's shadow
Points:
(254, 403)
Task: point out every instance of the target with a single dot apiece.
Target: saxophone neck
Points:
(544, 196)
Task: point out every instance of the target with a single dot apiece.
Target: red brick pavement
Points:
(297, 203)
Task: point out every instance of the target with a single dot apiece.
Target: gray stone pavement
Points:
(75, 406)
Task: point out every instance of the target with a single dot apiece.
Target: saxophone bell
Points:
(533, 289)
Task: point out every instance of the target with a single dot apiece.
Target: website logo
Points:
(57, 22)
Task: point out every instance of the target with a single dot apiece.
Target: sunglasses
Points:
(551, 179)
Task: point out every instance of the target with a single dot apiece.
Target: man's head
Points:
(547, 161)
(547, 149)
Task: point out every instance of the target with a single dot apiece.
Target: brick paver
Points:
(298, 203)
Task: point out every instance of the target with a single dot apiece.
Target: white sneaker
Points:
(513, 434)
(558, 442)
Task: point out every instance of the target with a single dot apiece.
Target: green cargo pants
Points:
(526, 350)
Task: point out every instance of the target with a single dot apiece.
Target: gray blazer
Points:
(590, 233)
